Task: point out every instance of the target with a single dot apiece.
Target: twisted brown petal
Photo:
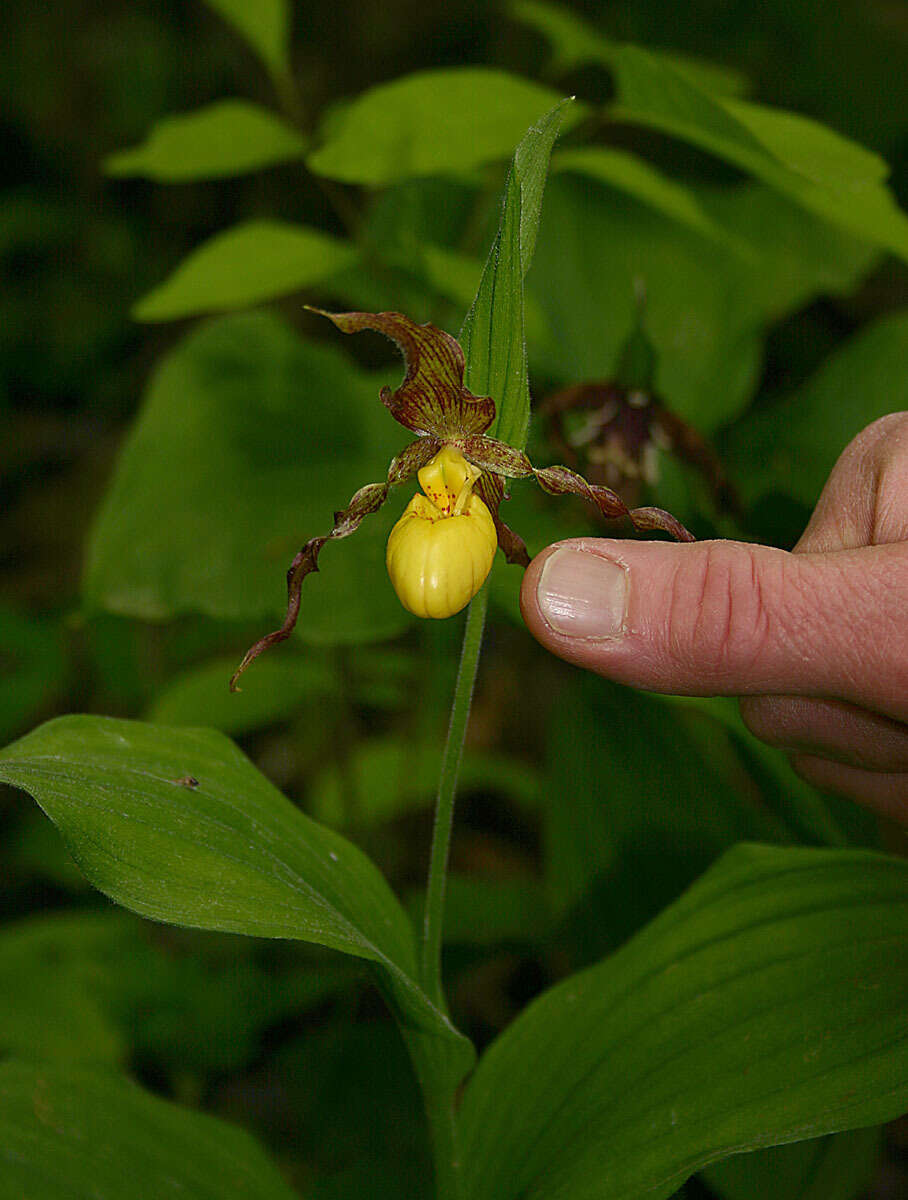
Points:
(432, 398)
(501, 459)
(559, 481)
(367, 500)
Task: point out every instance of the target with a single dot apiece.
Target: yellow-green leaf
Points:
(229, 137)
(252, 263)
(430, 123)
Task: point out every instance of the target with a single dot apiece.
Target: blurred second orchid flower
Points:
(441, 550)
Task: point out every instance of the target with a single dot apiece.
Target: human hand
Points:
(816, 641)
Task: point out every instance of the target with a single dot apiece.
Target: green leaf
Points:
(531, 167)
(430, 123)
(767, 1005)
(493, 333)
(573, 43)
(265, 26)
(177, 825)
(707, 307)
(493, 336)
(817, 168)
(248, 441)
(793, 256)
(839, 1167)
(227, 138)
(70, 1133)
(791, 445)
(639, 179)
(254, 262)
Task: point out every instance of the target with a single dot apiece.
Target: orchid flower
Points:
(441, 550)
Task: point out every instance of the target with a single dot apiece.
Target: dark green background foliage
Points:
(181, 178)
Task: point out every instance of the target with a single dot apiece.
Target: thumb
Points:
(727, 618)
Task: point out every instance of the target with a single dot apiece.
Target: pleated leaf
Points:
(769, 1004)
(250, 264)
(227, 138)
(177, 825)
(832, 177)
(428, 123)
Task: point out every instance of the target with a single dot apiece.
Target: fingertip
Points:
(574, 599)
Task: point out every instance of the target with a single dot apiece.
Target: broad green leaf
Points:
(35, 851)
(265, 26)
(248, 441)
(254, 262)
(274, 691)
(707, 307)
(645, 183)
(597, 245)
(791, 445)
(440, 122)
(178, 826)
(229, 137)
(793, 256)
(767, 1005)
(493, 333)
(573, 43)
(838, 1167)
(70, 1133)
(817, 168)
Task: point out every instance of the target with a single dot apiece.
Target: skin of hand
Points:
(815, 641)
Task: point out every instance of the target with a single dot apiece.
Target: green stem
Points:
(445, 1152)
(444, 805)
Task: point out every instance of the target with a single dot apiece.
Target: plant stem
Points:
(443, 1129)
(444, 805)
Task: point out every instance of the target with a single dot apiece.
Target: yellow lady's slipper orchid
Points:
(440, 552)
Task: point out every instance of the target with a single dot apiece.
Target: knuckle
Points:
(719, 615)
